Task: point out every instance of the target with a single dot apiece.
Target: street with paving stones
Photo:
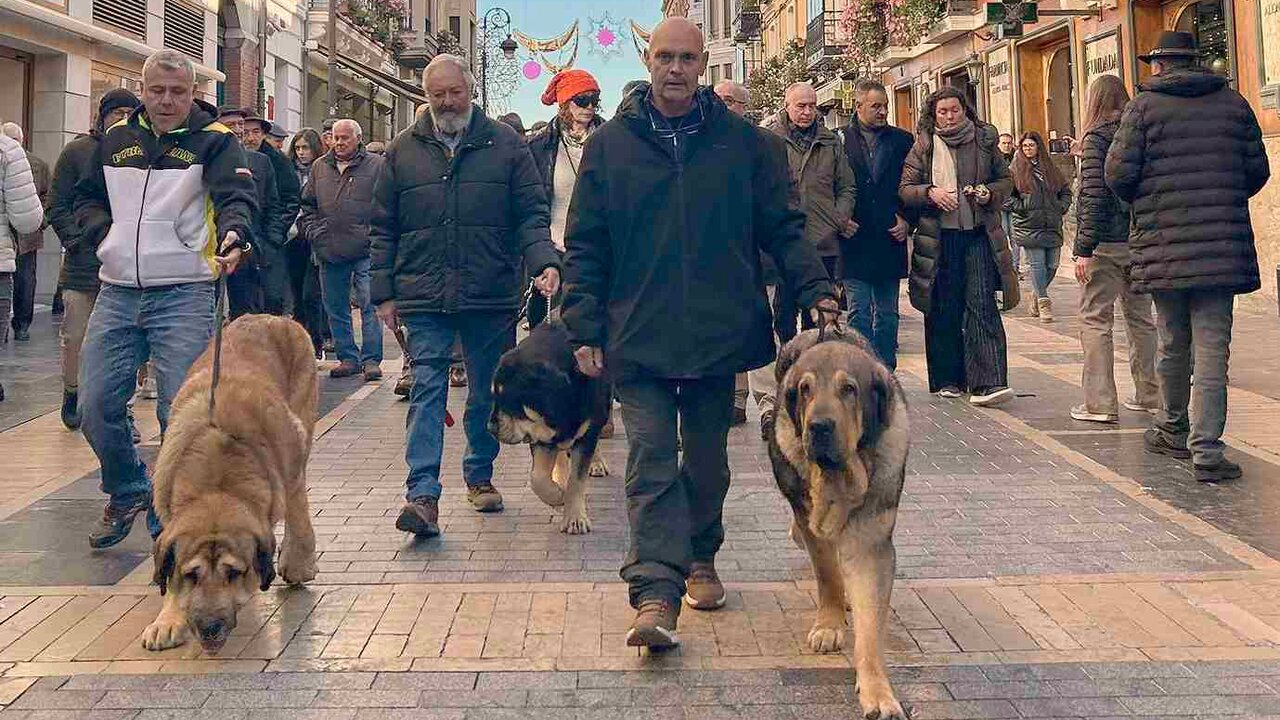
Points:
(1046, 568)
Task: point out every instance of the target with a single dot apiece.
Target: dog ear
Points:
(264, 562)
(164, 559)
(876, 404)
(791, 400)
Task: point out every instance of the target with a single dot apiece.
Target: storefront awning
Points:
(390, 83)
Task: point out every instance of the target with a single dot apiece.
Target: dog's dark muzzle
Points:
(214, 632)
(823, 446)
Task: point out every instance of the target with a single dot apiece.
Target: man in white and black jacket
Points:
(168, 201)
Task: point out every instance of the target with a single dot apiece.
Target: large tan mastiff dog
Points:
(223, 482)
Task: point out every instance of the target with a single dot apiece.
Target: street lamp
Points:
(495, 22)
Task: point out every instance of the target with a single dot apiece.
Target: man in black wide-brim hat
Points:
(1188, 156)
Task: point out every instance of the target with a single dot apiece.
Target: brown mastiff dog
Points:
(839, 454)
(223, 482)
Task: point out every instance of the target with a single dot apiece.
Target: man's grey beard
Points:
(449, 122)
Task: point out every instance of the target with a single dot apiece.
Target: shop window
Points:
(1207, 21)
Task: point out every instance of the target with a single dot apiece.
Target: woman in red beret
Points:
(557, 151)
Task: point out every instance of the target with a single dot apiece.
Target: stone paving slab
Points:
(964, 691)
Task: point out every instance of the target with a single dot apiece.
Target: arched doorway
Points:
(1059, 104)
(1207, 21)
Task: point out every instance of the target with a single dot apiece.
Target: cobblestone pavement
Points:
(1045, 570)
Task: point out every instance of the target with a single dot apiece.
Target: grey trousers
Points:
(1107, 282)
(675, 499)
(1194, 322)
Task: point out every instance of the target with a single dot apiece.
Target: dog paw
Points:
(164, 634)
(599, 468)
(826, 639)
(576, 523)
(298, 572)
(878, 701)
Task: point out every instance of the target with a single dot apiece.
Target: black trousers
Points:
(24, 290)
(675, 499)
(244, 291)
(304, 283)
(963, 333)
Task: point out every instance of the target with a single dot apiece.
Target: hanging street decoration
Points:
(532, 70)
(640, 38)
(606, 36)
(559, 45)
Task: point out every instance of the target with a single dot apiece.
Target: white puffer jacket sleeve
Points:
(20, 206)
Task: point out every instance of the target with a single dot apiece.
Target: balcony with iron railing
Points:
(824, 39)
(956, 18)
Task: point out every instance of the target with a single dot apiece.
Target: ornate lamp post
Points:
(495, 23)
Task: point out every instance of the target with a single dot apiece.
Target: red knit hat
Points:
(567, 85)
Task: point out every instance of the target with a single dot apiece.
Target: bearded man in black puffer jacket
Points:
(1188, 156)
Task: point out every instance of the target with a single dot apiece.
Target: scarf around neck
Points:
(955, 165)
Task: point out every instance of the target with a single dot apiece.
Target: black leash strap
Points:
(219, 319)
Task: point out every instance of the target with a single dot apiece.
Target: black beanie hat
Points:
(116, 98)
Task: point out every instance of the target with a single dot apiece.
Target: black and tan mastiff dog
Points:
(223, 482)
(540, 398)
(839, 454)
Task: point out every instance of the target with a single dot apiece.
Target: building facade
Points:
(725, 57)
(1039, 81)
(58, 57)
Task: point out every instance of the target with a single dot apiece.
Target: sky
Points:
(545, 19)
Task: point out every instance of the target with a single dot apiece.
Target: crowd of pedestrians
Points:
(679, 243)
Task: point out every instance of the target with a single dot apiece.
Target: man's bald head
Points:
(801, 104)
(676, 57)
(734, 94)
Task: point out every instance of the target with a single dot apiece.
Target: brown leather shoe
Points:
(484, 498)
(703, 589)
(655, 625)
(420, 517)
(372, 371)
(345, 369)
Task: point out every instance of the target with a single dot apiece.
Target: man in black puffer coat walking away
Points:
(1188, 156)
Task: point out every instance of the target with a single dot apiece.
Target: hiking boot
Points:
(1045, 306)
(345, 369)
(1158, 443)
(117, 520)
(766, 424)
(405, 384)
(703, 589)
(421, 516)
(950, 392)
(148, 390)
(484, 498)
(1033, 309)
(372, 371)
(1084, 414)
(739, 416)
(71, 409)
(1220, 471)
(606, 432)
(655, 625)
(21, 334)
(991, 396)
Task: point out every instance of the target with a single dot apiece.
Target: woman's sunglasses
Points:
(587, 100)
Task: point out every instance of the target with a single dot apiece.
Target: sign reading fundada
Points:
(1102, 57)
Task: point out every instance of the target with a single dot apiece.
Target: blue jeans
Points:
(335, 287)
(171, 326)
(485, 336)
(873, 311)
(1044, 266)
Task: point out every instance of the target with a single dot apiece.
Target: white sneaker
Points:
(1134, 405)
(1082, 413)
(950, 392)
(992, 397)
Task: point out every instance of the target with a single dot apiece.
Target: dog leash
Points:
(219, 318)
